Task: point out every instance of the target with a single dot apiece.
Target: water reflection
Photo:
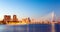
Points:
(57, 27)
(26, 28)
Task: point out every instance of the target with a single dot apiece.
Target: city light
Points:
(15, 21)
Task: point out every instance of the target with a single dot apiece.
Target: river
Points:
(29, 28)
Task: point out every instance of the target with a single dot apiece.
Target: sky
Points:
(29, 8)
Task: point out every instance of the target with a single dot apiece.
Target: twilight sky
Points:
(29, 8)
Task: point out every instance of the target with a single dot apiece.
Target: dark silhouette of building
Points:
(29, 19)
(7, 17)
(15, 18)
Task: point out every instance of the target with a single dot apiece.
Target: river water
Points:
(29, 28)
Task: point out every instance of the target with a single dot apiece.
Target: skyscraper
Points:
(15, 18)
(7, 17)
(29, 19)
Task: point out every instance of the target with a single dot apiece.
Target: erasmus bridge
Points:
(50, 17)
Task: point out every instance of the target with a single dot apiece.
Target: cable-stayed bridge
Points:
(51, 17)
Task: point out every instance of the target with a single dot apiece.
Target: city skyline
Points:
(50, 16)
(29, 8)
(48, 20)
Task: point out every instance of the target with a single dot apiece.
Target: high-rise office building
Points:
(29, 19)
(15, 18)
(7, 17)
